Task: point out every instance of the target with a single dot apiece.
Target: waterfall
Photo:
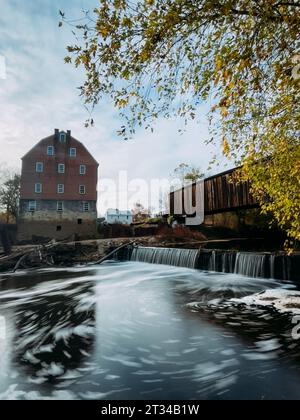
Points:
(213, 262)
(220, 261)
(275, 266)
(168, 256)
(228, 262)
(251, 265)
(286, 268)
(272, 266)
(281, 267)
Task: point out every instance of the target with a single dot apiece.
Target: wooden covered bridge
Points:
(222, 193)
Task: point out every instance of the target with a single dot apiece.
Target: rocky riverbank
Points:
(61, 254)
(82, 252)
(216, 255)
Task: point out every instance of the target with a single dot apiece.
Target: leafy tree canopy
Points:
(140, 213)
(187, 173)
(9, 196)
(165, 57)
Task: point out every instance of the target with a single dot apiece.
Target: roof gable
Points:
(51, 141)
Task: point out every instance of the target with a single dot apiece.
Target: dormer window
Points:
(50, 151)
(73, 152)
(62, 137)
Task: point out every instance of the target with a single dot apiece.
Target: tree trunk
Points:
(4, 237)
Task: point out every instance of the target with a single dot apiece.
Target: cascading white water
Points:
(286, 268)
(228, 262)
(243, 263)
(213, 262)
(272, 266)
(168, 256)
(251, 265)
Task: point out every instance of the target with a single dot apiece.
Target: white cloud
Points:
(40, 94)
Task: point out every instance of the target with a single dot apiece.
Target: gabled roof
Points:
(52, 138)
(88, 152)
(33, 147)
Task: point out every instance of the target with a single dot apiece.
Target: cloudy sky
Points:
(39, 93)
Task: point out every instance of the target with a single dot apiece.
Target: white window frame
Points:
(32, 206)
(73, 152)
(38, 190)
(61, 165)
(39, 165)
(60, 206)
(62, 137)
(85, 206)
(80, 189)
(52, 150)
(82, 169)
(60, 188)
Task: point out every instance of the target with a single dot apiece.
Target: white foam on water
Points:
(123, 360)
(2, 328)
(71, 374)
(283, 300)
(12, 393)
(89, 395)
(54, 369)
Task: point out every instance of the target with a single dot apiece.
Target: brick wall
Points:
(50, 177)
(46, 222)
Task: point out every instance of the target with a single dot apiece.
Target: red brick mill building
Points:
(58, 190)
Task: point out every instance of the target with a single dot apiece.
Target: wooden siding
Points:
(222, 194)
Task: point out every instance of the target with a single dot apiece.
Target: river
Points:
(131, 330)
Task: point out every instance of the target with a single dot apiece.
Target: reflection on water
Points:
(138, 331)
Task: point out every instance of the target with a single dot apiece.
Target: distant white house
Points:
(117, 216)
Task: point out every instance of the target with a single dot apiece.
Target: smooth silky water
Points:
(132, 330)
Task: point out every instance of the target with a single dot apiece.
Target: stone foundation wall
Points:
(47, 210)
(43, 231)
(47, 223)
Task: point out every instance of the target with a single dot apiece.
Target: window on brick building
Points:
(62, 137)
(38, 188)
(79, 221)
(60, 206)
(60, 188)
(39, 167)
(73, 152)
(61, 168)
(81, 189)
(32, 206)
(50, 151)
(86, 206)
(58, 228)
(82, 170)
